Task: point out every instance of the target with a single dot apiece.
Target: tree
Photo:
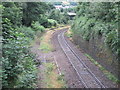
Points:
(17, 61)
(32, 11)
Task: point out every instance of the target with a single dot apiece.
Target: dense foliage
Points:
(17, 61)
(60, 16)
(98, 19)
(33, 12)
(37, 27)
(20, 22)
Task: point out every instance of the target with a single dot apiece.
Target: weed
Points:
(45, 47)
(69, 34)
(109, 75)
(60, 77)
(53, 80)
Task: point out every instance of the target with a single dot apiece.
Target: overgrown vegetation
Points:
(96, 20)
(45, 44)
(20, 23)
(107, 73)
(53, 80)
(60, 16)
(17, 61)
(69, 33)
(37, 27)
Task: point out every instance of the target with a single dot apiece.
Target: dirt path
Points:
(49, 76)
(62, 65)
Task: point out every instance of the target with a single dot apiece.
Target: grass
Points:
(53, 80)
(109, 75)
(63, 27)
(45, 45)
(69, 34)
(58, 27)
(50, 77)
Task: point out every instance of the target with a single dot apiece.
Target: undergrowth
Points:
(95, 20)
(45, 45)
(53, 79)
(109, 75)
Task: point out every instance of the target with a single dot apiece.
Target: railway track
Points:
(88, 79)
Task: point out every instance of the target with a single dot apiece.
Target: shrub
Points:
(28, 31)
(16, 60)
(16, 57)
(37, 27)
(52, 22)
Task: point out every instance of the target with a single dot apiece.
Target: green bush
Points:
(16, 57)
(37, 27)
(18, 63)
(28, 31)
(13, 12)
(52, 22)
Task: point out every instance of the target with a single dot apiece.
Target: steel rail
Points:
(72, 64)
(97, 80)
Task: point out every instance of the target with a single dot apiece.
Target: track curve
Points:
(88, 79)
